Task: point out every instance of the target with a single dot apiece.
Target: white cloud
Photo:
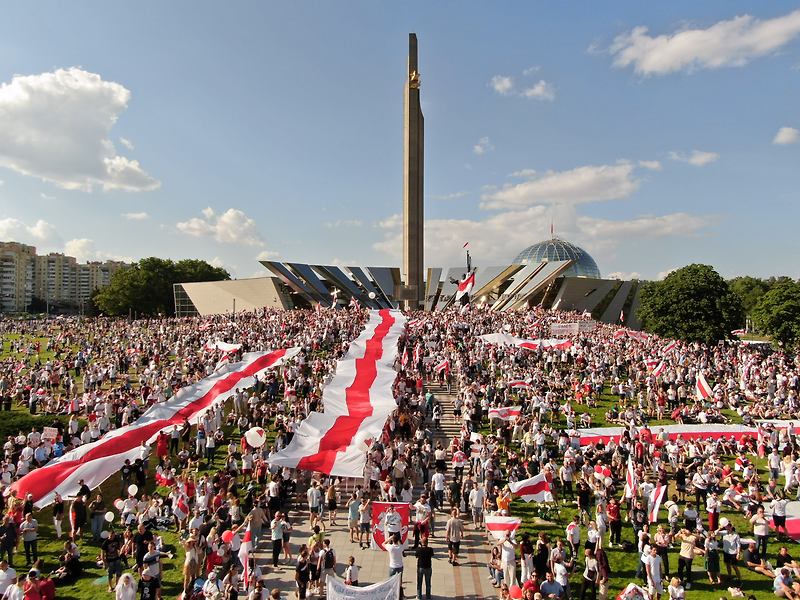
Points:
(391, 222)
(83, 249)
(524, 173)
(344, 223)
(696, 158)
(623, 275)
(531, 70)
(786, 136)
(483, 146)
(41, 232)
(267, 255)
(56, 126)
(542, 90)
(675, 224)
(450, 196)
(46, 196)
(127, 143)
(136, 216)
(502, 84)
(664, 273)
(652, 165)
(231, 227)
(217, 262)
(579, 185)
(498, 238)
(731, 43)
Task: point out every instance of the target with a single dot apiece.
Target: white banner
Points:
(561, 329)
(385, 590)
(50, 433)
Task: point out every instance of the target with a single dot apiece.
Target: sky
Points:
(653, 135)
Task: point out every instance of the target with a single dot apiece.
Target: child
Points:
(351, 572)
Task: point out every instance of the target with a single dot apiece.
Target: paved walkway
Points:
(469, 580)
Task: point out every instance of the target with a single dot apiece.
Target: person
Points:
(476, 499)
(58, 514)
(654, 566)
(278, 526)
(365, 522)
(211, 587)
(424, 556)
(675, 590)
(508, 560)
(454, 532)
(302, 574)
(731, 549)
(31, 586)
(396, 550)
(352, 516)
(590, 574)
(97, 510)
(230, 584)
(686, 556)
(8, 539)
(331, 496)
(70, 568)
(351, 572)
(110, 555)
(712, 557)
(314, 496)
(761, 531)
(126, 588)
(16, 591)
(603, 572)
(8, 576)
(753, 561)
(327, 560)
(29, 529)
(783, 585)
(550, 588)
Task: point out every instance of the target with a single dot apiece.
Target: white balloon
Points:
(110, 517)
(256, 437)
(221, 551)
(133, 489)
(371, 295)
(103, 534)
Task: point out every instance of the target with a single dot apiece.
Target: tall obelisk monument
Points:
(413, 197)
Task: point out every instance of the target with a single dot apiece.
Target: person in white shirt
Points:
(476, 498)
(653, 565)
(508, 560)
(396, 550)
(7, 576)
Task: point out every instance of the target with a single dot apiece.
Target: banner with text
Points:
(385, 590)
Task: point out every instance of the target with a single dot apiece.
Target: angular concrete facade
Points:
(413, 290)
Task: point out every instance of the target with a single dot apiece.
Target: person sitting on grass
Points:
(754, 562)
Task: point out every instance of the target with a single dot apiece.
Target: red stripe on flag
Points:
(41, 481)
(534, 488)
(357, 398)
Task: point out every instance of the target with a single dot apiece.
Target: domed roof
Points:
(555, 249)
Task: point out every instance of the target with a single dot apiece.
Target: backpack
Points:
(330, 559)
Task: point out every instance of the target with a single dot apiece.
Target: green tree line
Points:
(695, 303)
(145, 288)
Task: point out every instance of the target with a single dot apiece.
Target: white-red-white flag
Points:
(353, 302)
(660, 368)
(738, 332)
(630, 479)
(518, 383)
(444, 365)
(417, 354)
(465, 286)
(502, 527)
(404, 357)
(656, 496)
(505, 413)
(650, 363)
(702, 389)
(621, 317)
(466, 245)
(535, 489)
(670, 347)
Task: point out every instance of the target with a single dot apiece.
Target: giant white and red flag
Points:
(702, 389)
(535, 489)
(97, 461)
(505, 413)
(357, 402)
(465, 286)
(505, 339)
(500, 527)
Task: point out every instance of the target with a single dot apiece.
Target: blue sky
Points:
(651, 134)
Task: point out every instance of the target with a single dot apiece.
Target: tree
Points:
(146, 286)
(692, 304)
(750, 290)
(778, 313)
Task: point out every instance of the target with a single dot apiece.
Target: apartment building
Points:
(54, 278)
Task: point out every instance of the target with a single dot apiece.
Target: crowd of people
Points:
(207, 484)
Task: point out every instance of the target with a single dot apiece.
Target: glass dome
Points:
(555, 249)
